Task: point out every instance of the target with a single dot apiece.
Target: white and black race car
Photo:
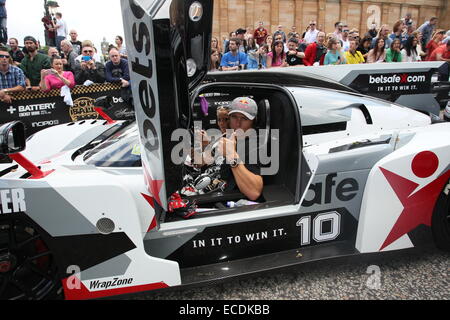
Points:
(85, 207)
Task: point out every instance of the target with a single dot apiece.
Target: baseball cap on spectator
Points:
(240, 31)
(30, 38)
(244, 105)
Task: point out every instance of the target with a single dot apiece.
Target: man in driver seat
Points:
(237, 171)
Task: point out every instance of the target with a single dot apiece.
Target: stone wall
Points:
(232, 14)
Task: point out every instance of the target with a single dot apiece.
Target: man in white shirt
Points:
(311, 34)
(61, 30)
(338, 30)
(345, 39)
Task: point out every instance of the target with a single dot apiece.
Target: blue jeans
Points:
(58, 42)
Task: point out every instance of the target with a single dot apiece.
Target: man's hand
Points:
(125, 83)
(227, 147)
(44, 73)
(91, 64)
(4, 97)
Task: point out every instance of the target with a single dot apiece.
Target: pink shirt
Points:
(53, 82)
(277, 63)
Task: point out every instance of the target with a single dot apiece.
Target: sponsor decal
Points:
(83, 108)
(45, 123)
(115, 282)
(418, 203)
(32, 109)
(241, 240)
(238, 239)
(12, 201)
(396, 83)
(11, 109)
(117, 100)
(402, 78)
(124, 114)
(322, 192)
(139, 35)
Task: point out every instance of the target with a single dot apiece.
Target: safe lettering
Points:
(322, 193)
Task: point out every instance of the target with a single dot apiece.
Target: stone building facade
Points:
(232, 14)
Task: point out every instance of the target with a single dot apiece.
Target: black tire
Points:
(27, 266)
(440, 224)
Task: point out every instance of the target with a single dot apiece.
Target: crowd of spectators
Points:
(66, 62)
(69, 61)
(259, 49)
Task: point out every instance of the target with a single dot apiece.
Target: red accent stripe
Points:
(153, 224)
(104, 115)
(151, 201)
(35, 172)
(83, 293)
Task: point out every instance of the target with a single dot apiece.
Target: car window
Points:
(120, 150)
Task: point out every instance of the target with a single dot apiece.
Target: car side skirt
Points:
(268, 262)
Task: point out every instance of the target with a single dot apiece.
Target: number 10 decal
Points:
(334, 220)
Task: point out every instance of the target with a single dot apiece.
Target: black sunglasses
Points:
(4, 56)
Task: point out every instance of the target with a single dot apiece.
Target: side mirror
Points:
(12, 137)
(104, 102)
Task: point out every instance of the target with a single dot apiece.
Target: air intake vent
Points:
(105, 226)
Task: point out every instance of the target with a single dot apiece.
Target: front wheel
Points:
(27, 266)
(440, 224)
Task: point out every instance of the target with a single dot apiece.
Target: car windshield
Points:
(122, 149)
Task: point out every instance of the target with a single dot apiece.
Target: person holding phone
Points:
(56, 77)
(88, 69)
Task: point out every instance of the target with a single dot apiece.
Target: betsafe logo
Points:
(396, 78)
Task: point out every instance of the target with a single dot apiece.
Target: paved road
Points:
(412, 274)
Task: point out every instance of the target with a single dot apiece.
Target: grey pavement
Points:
(404, 275)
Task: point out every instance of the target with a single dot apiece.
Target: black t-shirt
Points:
(294, 60)
(362, 50)
(321, 50)
(302, 47)
(17, 56)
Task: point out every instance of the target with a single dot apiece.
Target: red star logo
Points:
(154, 186)
(403, 78)
(151, 201)
(418, 206)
